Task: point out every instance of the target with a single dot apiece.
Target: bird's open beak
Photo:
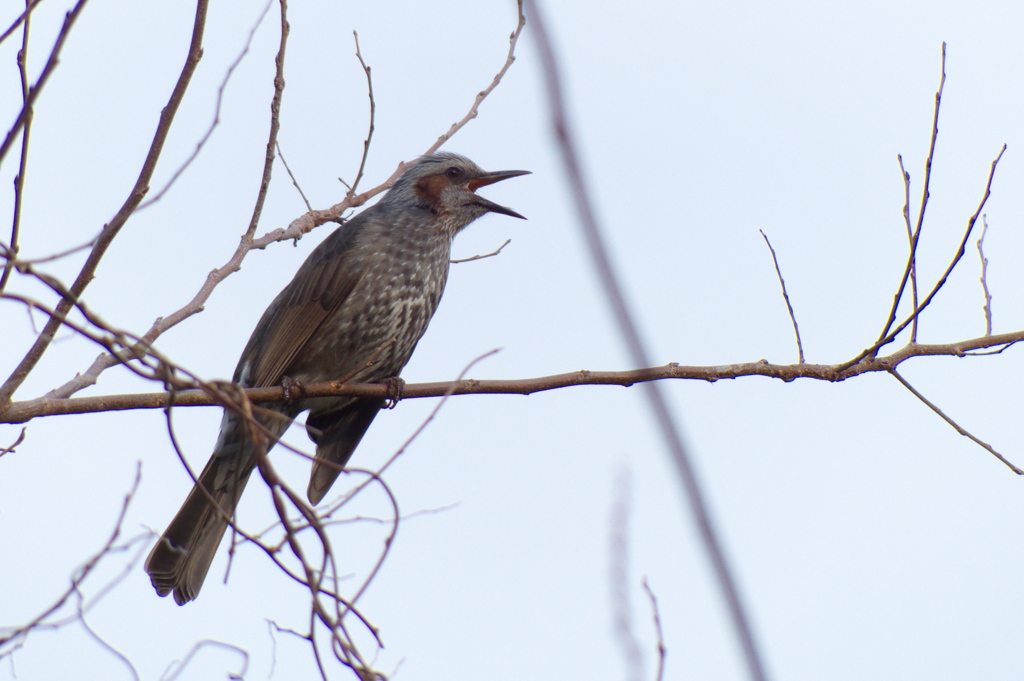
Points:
(491, 178)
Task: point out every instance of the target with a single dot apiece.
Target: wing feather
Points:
(320, 287)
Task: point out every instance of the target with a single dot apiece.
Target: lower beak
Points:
(491, 178)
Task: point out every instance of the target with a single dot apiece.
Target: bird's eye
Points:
(453, 172)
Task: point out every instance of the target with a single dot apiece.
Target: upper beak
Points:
(491, 178)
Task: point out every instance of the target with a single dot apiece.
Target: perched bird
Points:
(356, 309)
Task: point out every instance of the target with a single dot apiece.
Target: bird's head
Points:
(446, 184)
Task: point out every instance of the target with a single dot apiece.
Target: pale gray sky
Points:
(869, 539)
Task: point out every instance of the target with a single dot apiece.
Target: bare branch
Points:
(910, 240)
(175, 668)
(21, 18)
(11, 251)
(945, 275)
(618, 578)
(110, 231)
(481, 257)
(785, 296)
(51, 64)
(19, 262)
(9, 449)
(373, 115)
(13, 638)
(925, 193)
(956, 426)
(657, 629)
(291, 175)
(482, 95)
(670, 431)
(104, 362)
(987, 307)
(155, 367)
(638, 353)
(275, 125)
(216, 112)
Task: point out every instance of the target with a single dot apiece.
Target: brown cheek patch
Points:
(429, 189)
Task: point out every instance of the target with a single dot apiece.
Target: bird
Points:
(355, 311)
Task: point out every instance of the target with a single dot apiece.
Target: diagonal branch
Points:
(785, 295)
(481, 257)
(910, 241)
(987, 307)
(51, 64)
(216, 112)
(482, 95)
(373, 116)
(945, 275)
(956, 426)
(21, 18)
(314, 218)
(925, 193)
(666, 422)
(111, 230)
(275, 125)
(11, 251)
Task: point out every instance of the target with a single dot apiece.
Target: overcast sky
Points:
(869, 539)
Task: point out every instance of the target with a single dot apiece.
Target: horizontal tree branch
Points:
(29, 409)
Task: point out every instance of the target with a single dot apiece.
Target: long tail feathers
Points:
(182, 557)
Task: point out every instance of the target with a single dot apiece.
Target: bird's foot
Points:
(396, 390)
(293, 390)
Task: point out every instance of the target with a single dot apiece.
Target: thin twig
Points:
(19, 181)
(945, 275)
(216, 113)
(481, 257)
(176, 667)
(987, 307)
(656, 616)
(275, 125)
(17, 22)
(910, 241)
(12, 638)
(111, 230)
(100, 640)
(373, 115)
(925, 193)
(670, 431)
(618, 578)
(401, 450)
(9, 449)
(785, 296)
(482, 95)
(51, 64)
(956, 426)
(56, 256)
(292, 175)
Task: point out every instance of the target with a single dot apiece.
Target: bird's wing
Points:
(320, 287)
